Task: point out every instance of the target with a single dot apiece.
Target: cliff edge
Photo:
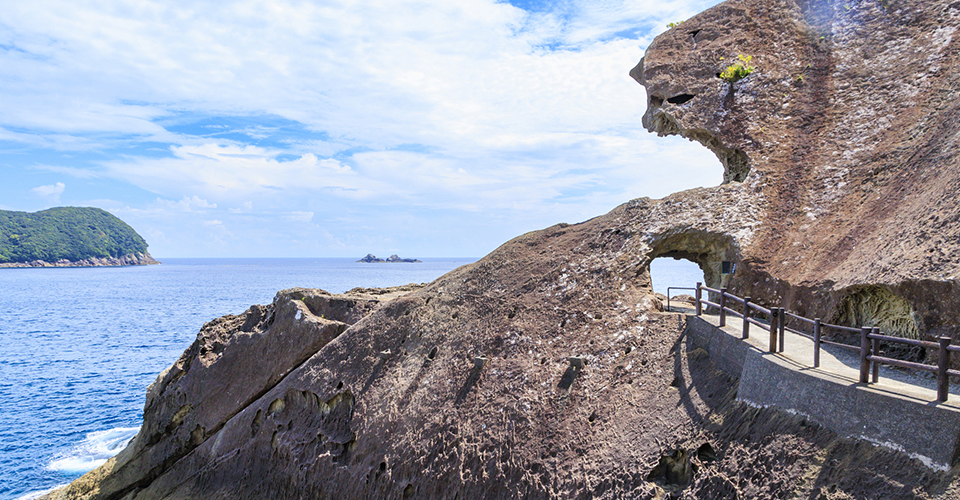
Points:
(548, 370)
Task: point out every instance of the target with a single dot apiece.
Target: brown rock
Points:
(838, 203)
(845, 138)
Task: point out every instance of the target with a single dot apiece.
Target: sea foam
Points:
(33, 495)
(94, 450)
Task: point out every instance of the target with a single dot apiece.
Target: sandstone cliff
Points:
(840, 156)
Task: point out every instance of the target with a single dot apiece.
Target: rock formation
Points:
(132, 259)
(845, 141)
(393, 258)
(546, 369)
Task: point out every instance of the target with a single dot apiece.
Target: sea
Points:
(79, 346)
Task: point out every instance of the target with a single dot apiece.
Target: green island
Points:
(69, 235)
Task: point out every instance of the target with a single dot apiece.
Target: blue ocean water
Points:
(667, 272)
(78, 346)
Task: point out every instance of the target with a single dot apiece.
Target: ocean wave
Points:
(94, 450)
(33, 495)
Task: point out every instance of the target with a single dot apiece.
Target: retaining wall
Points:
(926, 430)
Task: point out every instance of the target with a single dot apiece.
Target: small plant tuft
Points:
(737, 70)
(674, 25)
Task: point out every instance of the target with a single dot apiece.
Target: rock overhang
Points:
(834, 137)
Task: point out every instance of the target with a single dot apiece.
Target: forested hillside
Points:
(72, 233)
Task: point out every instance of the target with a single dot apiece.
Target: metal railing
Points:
(870, 337)
(675, 288)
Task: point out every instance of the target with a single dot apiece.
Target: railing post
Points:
(864, 353)
(816, 342)
(723, 305)
(783, 321)
(746, 317)
(876, 352)
(699, 294)
(774, 314)
(943, 381)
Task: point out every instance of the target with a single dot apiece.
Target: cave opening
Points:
(681, 98)
(675, 272)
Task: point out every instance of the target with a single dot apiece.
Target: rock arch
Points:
(709, 250)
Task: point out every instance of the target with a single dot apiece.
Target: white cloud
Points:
(244, 207)
(79, 173)
(186, 204)
(233, 172)
(300, 216)
(475, 109)
(51, 192)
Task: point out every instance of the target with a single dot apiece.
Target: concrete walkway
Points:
(841, 365)
(900, 411)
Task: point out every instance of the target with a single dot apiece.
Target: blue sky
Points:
(326, 129)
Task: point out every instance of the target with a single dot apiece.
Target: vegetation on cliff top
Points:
(71, 233)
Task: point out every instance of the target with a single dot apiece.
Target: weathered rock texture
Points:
(133, 259)
(838, 204)
(846, 138)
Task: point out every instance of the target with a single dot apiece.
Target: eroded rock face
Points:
(232, 363)
(837, 189)
(397, 405)
(846, 134)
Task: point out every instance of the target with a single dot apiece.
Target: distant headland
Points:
(69, 237)
(393, 258)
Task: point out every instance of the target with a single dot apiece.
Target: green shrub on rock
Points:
(738, 70)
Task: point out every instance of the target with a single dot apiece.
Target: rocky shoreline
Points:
(133, 259)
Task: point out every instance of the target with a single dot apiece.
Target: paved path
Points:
(839, 365)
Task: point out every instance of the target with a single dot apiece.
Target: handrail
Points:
(843, 328)
(758, 322)
(870, 337)
(675, 288)
(797, 317)
(760, 308)
(901, 340)
(735, 298)
(840, 344)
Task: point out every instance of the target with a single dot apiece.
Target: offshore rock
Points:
(838, 202)
(393, 258)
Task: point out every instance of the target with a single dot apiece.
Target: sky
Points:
(290, 128)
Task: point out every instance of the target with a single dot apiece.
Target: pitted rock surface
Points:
(846, 134)
(842, 165)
